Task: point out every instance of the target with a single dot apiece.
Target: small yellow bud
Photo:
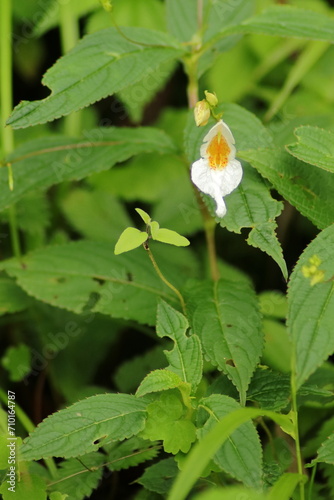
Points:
(107, 5)
(211, 98)
(202, 113)
(313, 272)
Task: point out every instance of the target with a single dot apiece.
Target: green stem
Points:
(295, 421)
(69, 37)
(29, 427)
(6, 100)
(164, 279)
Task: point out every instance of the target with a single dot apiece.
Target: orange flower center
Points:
(218, 152)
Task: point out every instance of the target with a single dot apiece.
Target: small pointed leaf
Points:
(144, 215)
(130, 238)
(171, 237)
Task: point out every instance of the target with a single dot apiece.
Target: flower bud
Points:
(202, 113)
(211, 98)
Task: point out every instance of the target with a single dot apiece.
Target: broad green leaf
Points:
(314, 146)
(30, 487)
(168, 236)
(241, 455)
(159, 477)
(86, 426)
(308, 189)
(130, 239)
(87, 276)
(285, 486)
(182, 19)
(225, 316)
(326, 451)
(40, 163)
(91, 71)
(146, 218)
(283, 20)
(311, 305)
(202, 452)
(159, 380)
(12, 298)
(79, 479)
(165, 413)
(270, 390)
(96, 214)
(130, 453)
(231, 493)
(185, 359)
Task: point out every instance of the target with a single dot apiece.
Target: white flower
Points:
(217, 173)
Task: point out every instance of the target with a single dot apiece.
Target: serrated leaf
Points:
(314, 146)
(12, 297)
(77, 479)
(225, 316)
(85, 426)
(159, 380)
(185, 359)
(99, 65)
(87, 274)
(263, 236)
(308, 189)
(130, 239)
(271, 390)
(159, 477)
(130, 453)
(326, 451)
(312, 334)
(146, 218)
(241, 454)
(284, 20)
(166, 413)
(51, 160)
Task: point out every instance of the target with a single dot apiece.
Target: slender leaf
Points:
(99, 65)
(311, 305)
(231, 493)
(241, 454)
(186, 356)
(41, 163)
(308, 189)
(86, 426)
(226, 318)
(285, 486)
(315, 146)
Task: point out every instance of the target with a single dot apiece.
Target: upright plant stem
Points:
(69, 37)
(165, 280)
(6, 101)
(295, 421)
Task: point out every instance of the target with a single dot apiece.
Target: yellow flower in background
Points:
(217, 173)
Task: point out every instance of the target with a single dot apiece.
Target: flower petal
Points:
(227, 135)
(228, 178)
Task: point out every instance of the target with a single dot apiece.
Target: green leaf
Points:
(241, 455)
(97, 214)
(202, 452)
(326, 451)
(130, 238)
(130, 453)
(271, 390)
(277, 348)
(159, 380)
(79, 479)
(285, 486)
(263, 236)
(40, 163)
(225, 316)
(12, 298)
(17, 361)
(165, 413)
(86, 275)
(186, 356)
(169, 236)
(231, 493)
(305, 187)
(312, 335)
(284, 20)
(160, 476)
(85, 426)
(314, 146)
(99, 65)
(30, 487)
(146, 218)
